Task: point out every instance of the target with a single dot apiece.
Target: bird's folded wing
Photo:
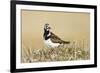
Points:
(54, 38)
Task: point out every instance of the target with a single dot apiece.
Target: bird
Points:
(51, 40)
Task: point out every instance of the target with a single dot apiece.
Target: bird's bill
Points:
(49, 27)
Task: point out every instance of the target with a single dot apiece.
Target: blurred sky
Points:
(67, 25)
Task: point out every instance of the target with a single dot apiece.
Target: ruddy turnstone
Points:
(50, 39)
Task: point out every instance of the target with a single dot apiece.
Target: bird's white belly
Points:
(50, 44)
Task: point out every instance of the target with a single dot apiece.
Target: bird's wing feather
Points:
(56, 39)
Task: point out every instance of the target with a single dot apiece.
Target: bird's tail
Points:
(66, 42)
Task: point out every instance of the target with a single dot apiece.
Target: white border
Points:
(51, 64)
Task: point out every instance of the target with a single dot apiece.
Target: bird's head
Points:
(47, 27)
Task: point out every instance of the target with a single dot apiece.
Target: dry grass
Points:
(67, 53)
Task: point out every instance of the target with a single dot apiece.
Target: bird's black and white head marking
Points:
(46, 31)
(47, 27)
